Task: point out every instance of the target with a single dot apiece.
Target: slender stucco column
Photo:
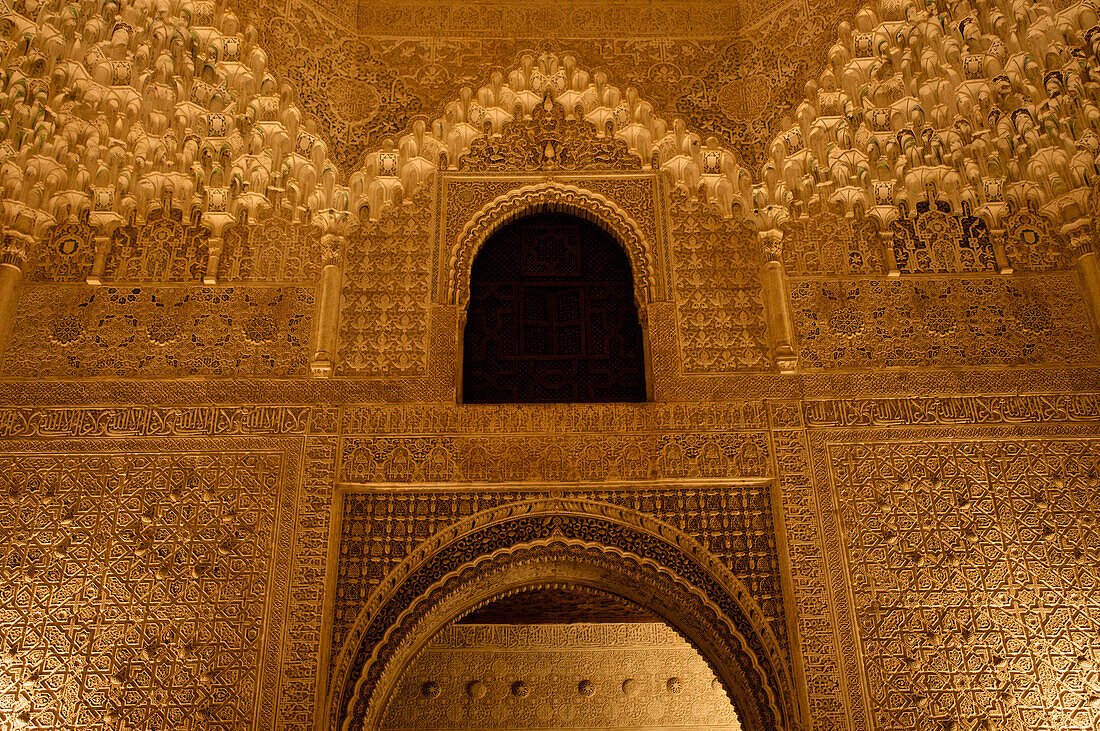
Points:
(99, 262)
(777, 302)
(11, 276)
(1088, 264)
(215, 246)
(322, 361)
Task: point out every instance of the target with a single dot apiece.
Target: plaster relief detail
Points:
(148, 333)
(973, 566)
(939, 322)
(719, 297)
(136, 584)
(566, 457)
(379, 530)
(384, 306)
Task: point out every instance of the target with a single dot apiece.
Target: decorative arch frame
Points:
(586, 546)
(555, 197)
(560, 198)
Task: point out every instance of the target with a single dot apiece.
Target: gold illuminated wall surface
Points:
(237, 482)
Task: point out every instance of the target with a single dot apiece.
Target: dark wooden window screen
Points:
(552, 317)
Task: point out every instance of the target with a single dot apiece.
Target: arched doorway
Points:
(552, 317)
(557, 659)
(578, 546)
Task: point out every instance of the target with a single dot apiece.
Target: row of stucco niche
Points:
(165, 109)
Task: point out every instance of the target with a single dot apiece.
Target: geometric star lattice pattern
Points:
(132, 588)
(974, 568)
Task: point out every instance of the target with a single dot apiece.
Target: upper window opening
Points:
(551, 316)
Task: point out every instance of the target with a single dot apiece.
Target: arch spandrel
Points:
(591, 545)
(505, 127)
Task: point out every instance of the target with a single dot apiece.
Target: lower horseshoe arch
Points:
(582, 545)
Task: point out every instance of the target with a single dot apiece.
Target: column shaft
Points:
(11, 275)
(323, 359)
(1088, 264)
(777, 309)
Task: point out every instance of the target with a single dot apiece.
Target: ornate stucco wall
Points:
(237, 243)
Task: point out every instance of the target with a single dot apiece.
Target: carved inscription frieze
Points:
(479, 419)
(155, 421)
(554, 458)
(926, 410)
(832, 685)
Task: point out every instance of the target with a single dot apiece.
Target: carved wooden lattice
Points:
(551, 317)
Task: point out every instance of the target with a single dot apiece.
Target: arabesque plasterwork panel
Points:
(973, 565)
(925, 322)
(365, 86)
(719, 298)
(607, 675)
(144, 582)
(969, 557)
(733, 520)
(235, 247)
(157, 332)
(386, 294)
(820, 455)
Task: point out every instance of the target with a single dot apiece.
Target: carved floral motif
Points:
(384, 308)
(938, 322)
(719, 298)
(830, 245)
(160, 332)
(548, 142)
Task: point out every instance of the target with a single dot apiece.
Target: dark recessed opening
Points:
(552, 316)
